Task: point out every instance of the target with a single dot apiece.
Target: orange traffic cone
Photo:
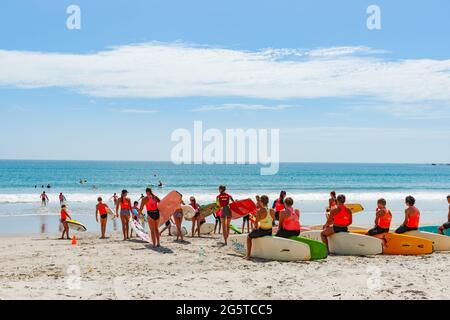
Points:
(74, 240)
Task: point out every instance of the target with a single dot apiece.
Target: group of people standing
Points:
(146, 209)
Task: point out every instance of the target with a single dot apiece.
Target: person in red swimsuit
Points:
(223, 200)
(101, 209)
(64, 216)
(125, 212)
(150, 202)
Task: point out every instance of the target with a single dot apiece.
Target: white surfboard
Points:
(76, 225)
(111, 214)
(272, 248)
(139, 229)
(352, 244)
(440, 242)
(188, 212)
(173, 230)
(206, 228)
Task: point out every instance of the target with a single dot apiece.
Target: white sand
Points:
(36, 267)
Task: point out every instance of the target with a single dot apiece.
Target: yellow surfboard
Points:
(355, 207)
(401, 244)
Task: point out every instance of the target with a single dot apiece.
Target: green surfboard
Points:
(318, 249)
(235, 229)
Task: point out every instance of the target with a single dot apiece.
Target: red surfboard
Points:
(168, 205)
(242, 208)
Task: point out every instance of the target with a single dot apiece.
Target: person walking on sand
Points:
(223, 200)
(218, 223)
(150, 202)
(278, 205)
(178, 218)
(125, 211)
(200, 220)
(338, 221)
(289, 220)
(446, 225)
(412, 216)
(383, 218)
(44, 199)
(134, 215)
(195, 220)
(167, 226)
(264, 219)
(101, 209)
(63, 218)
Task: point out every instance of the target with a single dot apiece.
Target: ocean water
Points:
(307, 183)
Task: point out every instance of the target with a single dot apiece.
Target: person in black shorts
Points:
(264, 219)
(412, 217)
(383, 219)
(102, 209)
(167, 226)
(246, 220)
(338, 221)
(446, 225)
(150, 202)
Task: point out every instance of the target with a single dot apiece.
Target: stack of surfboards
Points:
(280, 249)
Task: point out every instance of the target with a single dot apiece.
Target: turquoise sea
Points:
(308, 183)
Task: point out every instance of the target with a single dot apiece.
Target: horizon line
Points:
(255, 164)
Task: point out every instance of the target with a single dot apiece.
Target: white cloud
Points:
(241, 106)
(152, 70)
(138, 111)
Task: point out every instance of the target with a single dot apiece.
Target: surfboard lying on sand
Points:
(188, 212)
(318, 249)
(206, 228)
(401, 244)
(76, 225)
(434, 229)
(139, 229)
(440, 242)
(351, 244)
(168, 205)
(272, 248)
(173, 230)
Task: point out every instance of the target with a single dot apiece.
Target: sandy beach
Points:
(43, 267)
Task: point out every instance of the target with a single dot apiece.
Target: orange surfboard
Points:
(401, 244)
(168, 205)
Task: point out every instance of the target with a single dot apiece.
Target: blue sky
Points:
(137, 70)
